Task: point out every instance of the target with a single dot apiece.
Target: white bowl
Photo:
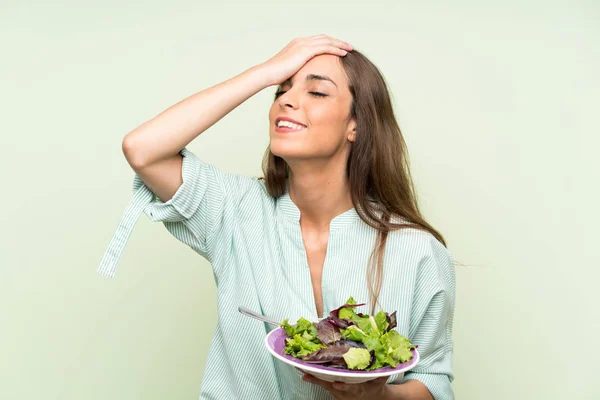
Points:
(275, 343)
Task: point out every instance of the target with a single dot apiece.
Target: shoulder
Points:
(419, 252)
(417, 243)
(255, 202)
(417, 240)
(415, 246)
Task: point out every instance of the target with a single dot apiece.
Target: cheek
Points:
(327, 127)
(272, 112)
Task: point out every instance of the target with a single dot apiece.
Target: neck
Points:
(320, 190)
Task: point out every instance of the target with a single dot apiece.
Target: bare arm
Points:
(152, 149)
(409, 390)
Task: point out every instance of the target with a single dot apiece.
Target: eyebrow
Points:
(312, 77)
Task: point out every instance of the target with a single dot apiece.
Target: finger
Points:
(378, 382)
(327, 49)
(341, 386)
(324, 384)
(333, 42)
(319, 36)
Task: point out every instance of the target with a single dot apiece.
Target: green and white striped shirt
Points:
(254, 244)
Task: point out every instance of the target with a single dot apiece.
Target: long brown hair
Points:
(378, 169)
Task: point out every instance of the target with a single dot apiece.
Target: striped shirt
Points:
(254, 244)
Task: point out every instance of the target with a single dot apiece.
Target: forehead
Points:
(325, 64)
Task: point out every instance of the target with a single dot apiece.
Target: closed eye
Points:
(317, 94)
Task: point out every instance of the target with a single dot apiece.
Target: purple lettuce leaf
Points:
(340, 322)
(352, 343)
(338, 363)
(333, 353)
(373, 359)
(391, 321)
(327, 332)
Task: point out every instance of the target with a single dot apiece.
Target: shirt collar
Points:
(289, 209)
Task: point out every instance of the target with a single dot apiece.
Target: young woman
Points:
(334, 216)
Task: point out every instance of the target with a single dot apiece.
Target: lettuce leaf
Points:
(357, 358)
(302, 326)
(347, 339)
(381, 319)
(345, 311)
(300, 346)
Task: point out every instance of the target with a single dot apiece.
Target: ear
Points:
(351, 131)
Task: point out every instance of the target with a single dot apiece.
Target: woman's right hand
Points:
(298, 52)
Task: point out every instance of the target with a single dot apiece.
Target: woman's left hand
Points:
(374, 389)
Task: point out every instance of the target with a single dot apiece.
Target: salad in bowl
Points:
(346, 346)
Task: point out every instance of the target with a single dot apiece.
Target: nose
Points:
(288, 99)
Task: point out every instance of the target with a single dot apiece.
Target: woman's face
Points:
(317, 98)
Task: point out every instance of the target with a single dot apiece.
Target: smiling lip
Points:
(285, 129)
(289, 120)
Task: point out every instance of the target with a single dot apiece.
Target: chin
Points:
(286, 152)
(284, 148)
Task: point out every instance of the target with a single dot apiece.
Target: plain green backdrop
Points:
(497, 101)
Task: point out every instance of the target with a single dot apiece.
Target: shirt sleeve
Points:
(432, 320)
(201, 209)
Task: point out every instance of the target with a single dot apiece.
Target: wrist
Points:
(262, 75)
(388, 392)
